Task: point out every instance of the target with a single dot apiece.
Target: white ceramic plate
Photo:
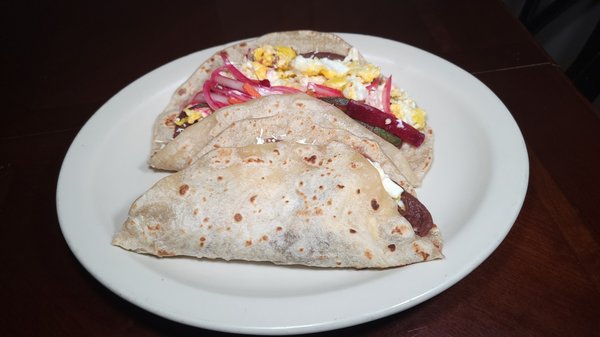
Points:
(474, 191)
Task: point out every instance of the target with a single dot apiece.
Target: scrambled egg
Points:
(405, 108)
(192, 115)
(276, 57)
(281, 65)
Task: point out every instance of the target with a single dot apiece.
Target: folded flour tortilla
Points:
(303, 41)
(285, 203)
(184, 149)
(412, 162)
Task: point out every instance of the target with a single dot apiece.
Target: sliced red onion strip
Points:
(238, 74)
(229, 83)
(385, 99)
(284, 89)
(206, 89)
(323, 91)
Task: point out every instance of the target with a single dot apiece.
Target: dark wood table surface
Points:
(63, 60)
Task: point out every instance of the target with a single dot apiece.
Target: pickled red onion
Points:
(238, 74)
(323, 91)
(385, 98)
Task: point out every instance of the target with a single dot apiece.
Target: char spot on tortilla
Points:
(162, 252)
(181, 91)
(154, 228)
(170, 120)
(314, 197)
(318, 211)
(205, 220)
(276, 151)
(329, 202)
(219, 178)
(265, 237)
(358, 191)
(339, 186)
(195, 212)
(420, 251)
(301, 250)
(249, 243)
(243, 44)
(312, 159)
(202, 239)
(183, 189)
(299, 104)
(374, 204)
(237, 217)
(253, 198)
(279, 228)
(352, 231)
(392, 247)
(368, 254)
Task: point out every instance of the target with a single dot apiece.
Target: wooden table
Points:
(62, 61)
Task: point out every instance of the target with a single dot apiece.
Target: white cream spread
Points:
(393, 189)
(260, 139)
